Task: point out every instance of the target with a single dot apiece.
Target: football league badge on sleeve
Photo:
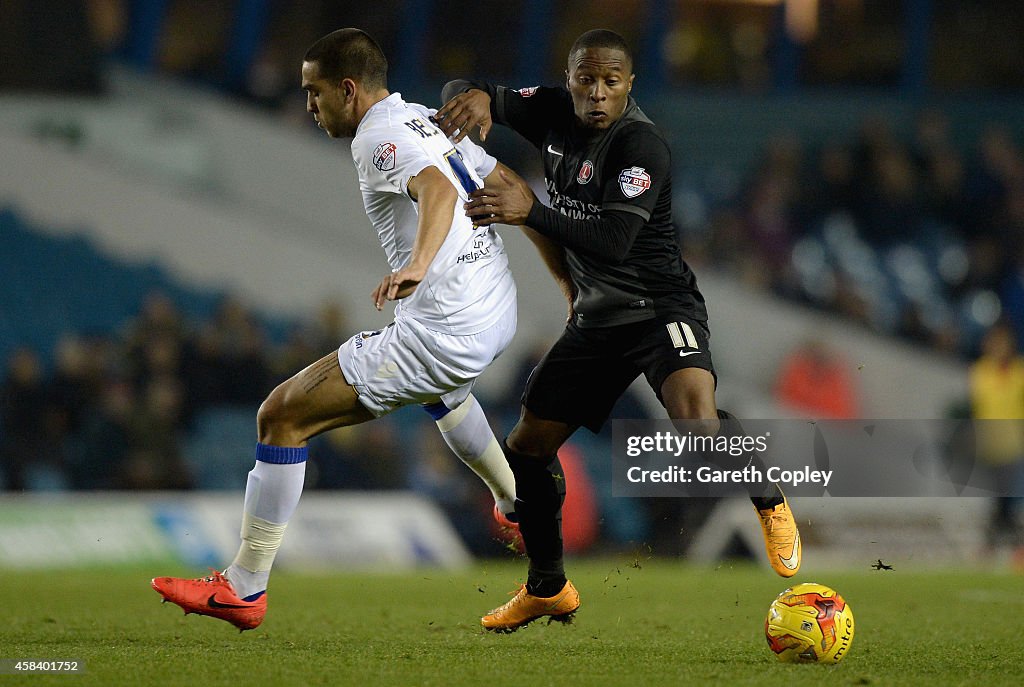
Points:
(384, 157)
(634, 181)
(527, 92)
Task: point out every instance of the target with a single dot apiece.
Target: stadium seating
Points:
(54, 285)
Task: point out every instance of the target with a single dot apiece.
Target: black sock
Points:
(765, 502)
(540, 492)
(771, 496)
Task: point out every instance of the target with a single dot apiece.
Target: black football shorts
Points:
(587, 369)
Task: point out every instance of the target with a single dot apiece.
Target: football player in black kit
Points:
(634, 307)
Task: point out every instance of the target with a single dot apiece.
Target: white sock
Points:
(467, 433)
(271, 495)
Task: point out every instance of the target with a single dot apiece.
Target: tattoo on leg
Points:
(316, 375)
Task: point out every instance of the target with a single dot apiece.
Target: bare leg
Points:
(313, 401)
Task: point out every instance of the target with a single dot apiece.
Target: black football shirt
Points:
(624, 168)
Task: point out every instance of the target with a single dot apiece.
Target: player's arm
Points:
(436, 198)
(553, 256)
(529, 111)
(550, 252)
(511, 201)
(608, 237)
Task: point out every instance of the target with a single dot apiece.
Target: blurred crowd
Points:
(911, 235)
(166, 403)
(112, 411)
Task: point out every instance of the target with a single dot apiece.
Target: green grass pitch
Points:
(642, 622)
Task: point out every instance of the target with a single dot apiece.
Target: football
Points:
(809, 623)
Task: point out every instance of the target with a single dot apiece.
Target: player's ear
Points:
(629, 83)
(567, 78)
(348, 88)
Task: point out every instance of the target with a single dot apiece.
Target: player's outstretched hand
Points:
(507, 202)
(396, 285)
(460, 114)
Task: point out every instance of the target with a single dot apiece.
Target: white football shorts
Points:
(406, 363)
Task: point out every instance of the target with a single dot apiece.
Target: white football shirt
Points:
(468, 285)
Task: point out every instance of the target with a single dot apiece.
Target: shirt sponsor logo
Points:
(586, 172)
(634, 181)
(480, 251)
(384, 157)
(569, 206)
(527, 92)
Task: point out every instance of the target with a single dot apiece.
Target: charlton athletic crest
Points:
(527, 92)
(586, 172)
(384, 157)
(634, 181)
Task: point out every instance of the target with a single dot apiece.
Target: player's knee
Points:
(700, 420)
(274, 420)
(531, 443)
(704, 427)
(701, 412)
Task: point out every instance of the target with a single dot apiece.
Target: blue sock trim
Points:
(253, 597)
(436, 410)
(281, 455)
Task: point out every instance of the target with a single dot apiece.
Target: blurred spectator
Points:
(830, 185)
(155, 458)
(815, 380)
(997, 397)
(998, 169)
(159, 322)
(76, 381)
(892, 213)
(908, 237)
(311, 340)
(31, 437)
(768, 212)
(105, 441)
(231, 356)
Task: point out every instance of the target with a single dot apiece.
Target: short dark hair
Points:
(350, 53)
(602, 38)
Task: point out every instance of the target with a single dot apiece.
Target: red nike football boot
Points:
(213, 596)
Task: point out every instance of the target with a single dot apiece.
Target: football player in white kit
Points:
(456, 313)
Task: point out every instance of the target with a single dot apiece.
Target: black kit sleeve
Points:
(609, 237)
(531, 112)
(638, 166)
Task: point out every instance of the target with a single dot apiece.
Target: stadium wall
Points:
(393, 531)
(378, 531)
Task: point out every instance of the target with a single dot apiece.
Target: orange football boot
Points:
(213, 596)
(781, 538)
(524, 608)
